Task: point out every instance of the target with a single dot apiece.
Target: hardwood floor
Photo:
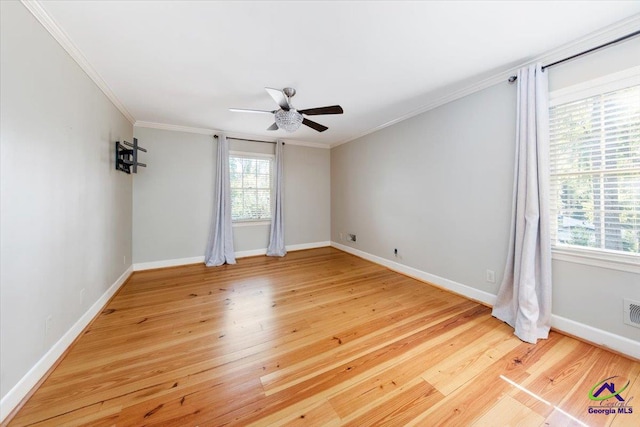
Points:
(319, 337)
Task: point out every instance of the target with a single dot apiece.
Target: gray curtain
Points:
(524, 298)
(276, 240)
(220, 244)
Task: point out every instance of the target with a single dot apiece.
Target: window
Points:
(595, 167)
(250, 178)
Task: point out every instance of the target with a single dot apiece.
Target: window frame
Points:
(585, 255)
(253, 155)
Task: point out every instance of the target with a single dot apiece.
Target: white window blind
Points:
(595, 172)
(250, 179)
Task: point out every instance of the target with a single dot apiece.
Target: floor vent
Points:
(632, 313)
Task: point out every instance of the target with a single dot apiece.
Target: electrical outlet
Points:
(491, 276)
(342, 237)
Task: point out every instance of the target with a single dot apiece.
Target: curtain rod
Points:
(618, 40)
(250, 140)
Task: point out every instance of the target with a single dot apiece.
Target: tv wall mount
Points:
(127, 159)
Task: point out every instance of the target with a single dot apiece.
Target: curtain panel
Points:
(219, 249)
(524, 298)
(276, 239)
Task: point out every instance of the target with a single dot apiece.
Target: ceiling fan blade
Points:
(273, 127)
(279, 97)
(332, 109)
(243, 110)
(314, 125)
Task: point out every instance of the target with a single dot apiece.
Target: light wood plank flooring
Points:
(323, 338)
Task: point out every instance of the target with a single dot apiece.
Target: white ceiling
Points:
(185, 63)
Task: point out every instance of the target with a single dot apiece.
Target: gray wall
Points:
(438, 188)
(170, 207)
(173, 197)
(65, 213)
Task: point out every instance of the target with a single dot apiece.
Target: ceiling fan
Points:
(287, 117)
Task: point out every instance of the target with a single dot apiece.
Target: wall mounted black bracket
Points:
(127, 159)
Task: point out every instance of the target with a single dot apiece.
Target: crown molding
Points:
(596, 38)
(447, 95)
(36, 9)
(175, 128)
(205, 131)
(307, 144)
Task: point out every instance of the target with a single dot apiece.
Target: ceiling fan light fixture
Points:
(287, 117)
(290, 120)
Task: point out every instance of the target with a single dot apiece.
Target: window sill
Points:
(612, 261)
(250, 223)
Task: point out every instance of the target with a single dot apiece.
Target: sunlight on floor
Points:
(535, 396)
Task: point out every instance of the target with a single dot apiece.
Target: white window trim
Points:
(250, 222)
(609, 83)
(592, 256)
(252, 154)
(254, 222)
(597, 258)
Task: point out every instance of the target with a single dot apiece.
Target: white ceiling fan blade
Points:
(279, 97)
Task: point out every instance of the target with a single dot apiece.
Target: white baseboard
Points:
(450, 285)
(596, 336)
(303, 246)
(167, 263)
(588, 333)
(290, 248)
(31, 378)
(253, 252)
(239, 254)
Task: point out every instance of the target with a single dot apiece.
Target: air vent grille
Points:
(632, 313)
